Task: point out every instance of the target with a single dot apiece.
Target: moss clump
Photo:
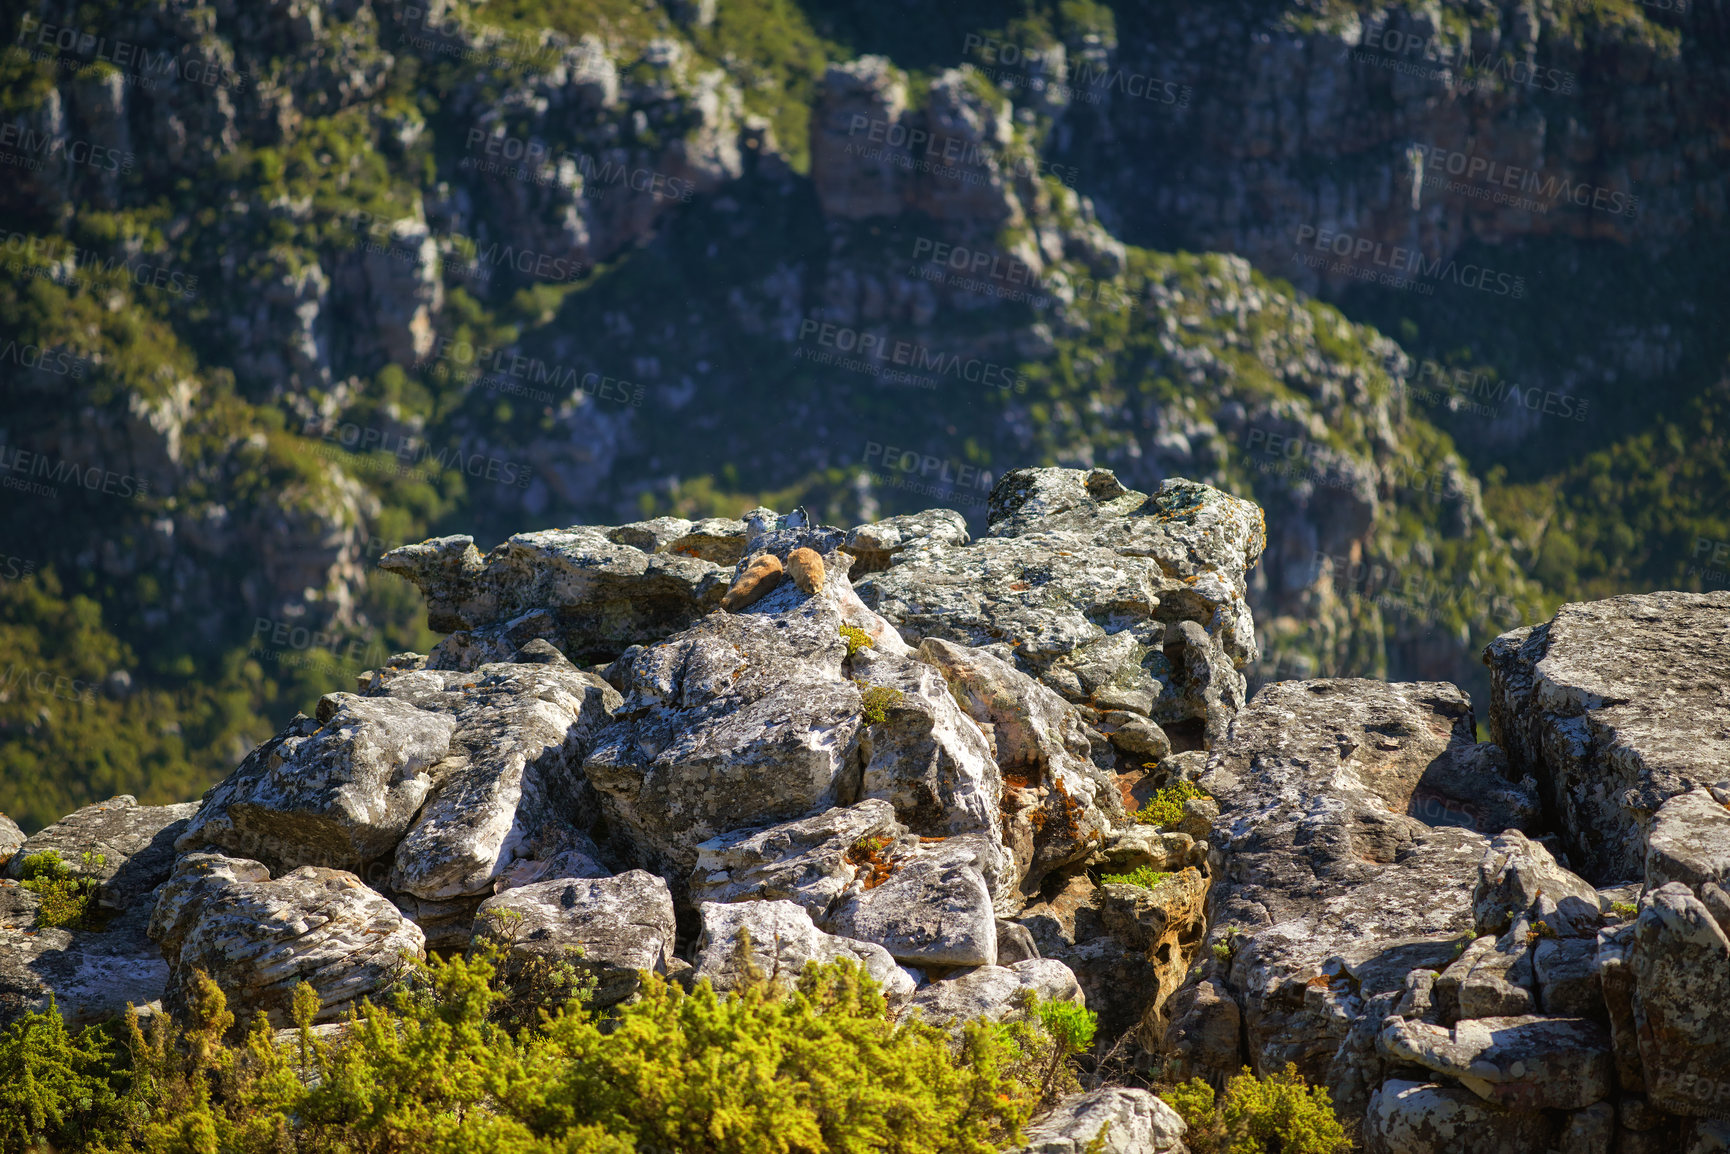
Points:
(68, 898)
(1145, 876)
(1280, 1113)
(878, 700)
(1165, 808)
(855, 638)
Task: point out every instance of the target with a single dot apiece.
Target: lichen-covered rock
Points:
(1519, 876)
(259, 937)
(134, 842)
(879, 545)
(1528, 1062)
(934, 908)
(783, 939)
(1689, 840)
(1069, 549)
(621, 925)
(1327, 892)
(11, 837)
(811, 861)
(1406, 1117)
(1133, 1121)
(995, 992)
(91, 976)
(1615, 707)
(1681, 965)
(606, 594)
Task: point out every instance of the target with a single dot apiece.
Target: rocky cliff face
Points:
(928, 753)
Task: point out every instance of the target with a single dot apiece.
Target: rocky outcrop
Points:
(995, 992)
(615, 927)
(1132, 1122)
(130, 847)
(90, 976)
(11, 837)
(259, 937)
(782, 939)
(1615, 707)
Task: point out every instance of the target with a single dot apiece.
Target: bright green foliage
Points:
(1145, 876)
(855, 638)
(820, 1068)
(1624, 909)
(68, 898)
(1165, 808)
(878, 699)
(1279, 1114)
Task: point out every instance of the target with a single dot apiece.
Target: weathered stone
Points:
(934, 908)
(1615, 707)
(259, 937)
(1689, 841)
(1133, 1121)
(1135, 734)
(135, 843)
(1569, 985)
(469, 649)
(1070, 548)
(448, 925)
(1514, 873)
(1616, 979)
(338, 790)
(11, 837)
(755, 582)
(995, 992)
(621, 924)
(1500, 982)
(1424, 1118)
(1473, 787)
(1138, 845)
(1529, 1062)
(1206, 1025)
(783, 939)
(1589, 1131)
(1014, 943)
(892, 540)
(1681, 964)
(805, 566)
(809, 861)
(91, 976)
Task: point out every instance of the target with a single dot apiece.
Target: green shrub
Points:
(878, 699)
(1144, 876)
(68, 898)
(1165, 808)
(1624, 909)
(855, 638)
(1279, 1114)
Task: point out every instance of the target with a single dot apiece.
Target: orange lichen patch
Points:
(1067, 808)
(1320, 981)
(925, 839)
(1018, 585)
(867, 855)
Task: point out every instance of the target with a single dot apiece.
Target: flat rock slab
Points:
(783, 939)
(136, 843)
(1615, 707)
(810, 861)
(934, 908)
(91, 977)
(1406, 1117)
(1690, 839)
(995, 992)
(621, 925)
(1134, 1121)
(1530, 1062)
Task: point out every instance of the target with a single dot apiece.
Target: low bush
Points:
(1145, 876)
(68, 896)
(1165, 808)
(1279, 1114)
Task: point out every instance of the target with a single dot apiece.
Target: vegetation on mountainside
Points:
(1279, 1114)
(1144, 876)
(68, 895)
(1165, 808)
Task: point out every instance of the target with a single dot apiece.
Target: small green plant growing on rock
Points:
(855, 638)
(1165, 808)
(1145, 876)
(68, 897)
(1624, 909)
(1279, 1114)
(878, 700)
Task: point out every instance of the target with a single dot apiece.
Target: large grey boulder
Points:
(1133, 1121)
(1690, 839)
(1519, 876)
(933, 909)
(135, 843)
(811, 861)
(259, 937)
(11, 837)
(91, 977)
(995, 992)
(1407, 1117)
(894, 540)
(1327, 892)
(621, 925)
(1070, 549)
(1680, 960)
(783, 939)
(1615, 707)
(1529, 1062)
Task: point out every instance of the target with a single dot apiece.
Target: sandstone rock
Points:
(1689, 841)
(783, 939)
(337, 791)
(994, 991)
(805, 566)
(469, 649)
(758, 580)
(1514, 873)
(91, 976)
(1569, 984)
(1134, 1122)
(1530, 1063)
(135, 842)
(809, 861)
(11, 837)
(934, 908)
(879, 545)
(1135, 734)
(1614, 707)
(1500, 982)
(1407, 1117)
(1680, 960)
(1014, 943)
(1069, 548)
(621, 924)
(1616, 979)
(259, 937)
(605, 595)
